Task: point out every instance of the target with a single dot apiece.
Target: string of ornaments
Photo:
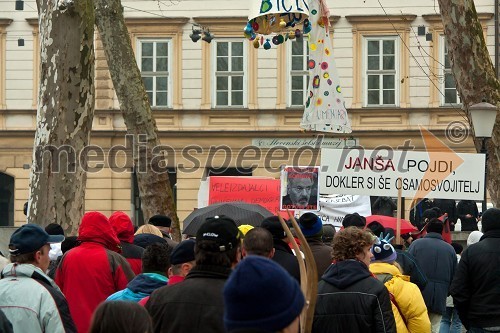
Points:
(251, 33)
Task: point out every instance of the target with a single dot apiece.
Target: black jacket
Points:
(194, 305)
(465, 207)
(449, 207)
(284, 256)
(476, 285)
(350, 299)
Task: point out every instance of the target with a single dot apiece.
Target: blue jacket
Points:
(438, 261)
(141, 286)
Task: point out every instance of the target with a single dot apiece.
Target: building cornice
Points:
(436, 18)
(402, 18)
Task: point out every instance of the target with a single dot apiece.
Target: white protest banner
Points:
(423, 174)
(333, 208)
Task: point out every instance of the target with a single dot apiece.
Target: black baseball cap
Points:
(29, 238)
(220, 229)
(183, 252)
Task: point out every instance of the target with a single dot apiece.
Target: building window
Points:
(230, 80)
(299, 74)
(7, 189)
(381, 71)
(448, 86)
(154, 63)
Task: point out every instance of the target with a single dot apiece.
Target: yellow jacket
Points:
(408, 297)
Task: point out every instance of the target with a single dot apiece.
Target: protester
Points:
(155, 265)
(182, 261)
(30, 299)
(384, 206)
(196, 304)
(474, 237)
(5, 325)
(448, 207)
(149, 229)
(90, 272)
(350, 299)
(468, 214)
(450, 322)
(417, 213)
(164, 223)
(244, 228)
(328, 233)
(258, 242)
(311, 226)
(122, 317)
(283, 255)
(124, 228)
(475, 287)
(408, 306)
(438, 261)
(354, 220)
(260, 296)
(145, 239)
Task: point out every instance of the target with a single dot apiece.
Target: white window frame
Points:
(304, 72)
(397, 60)
(169, 68)
(442, 72)
(244, 72)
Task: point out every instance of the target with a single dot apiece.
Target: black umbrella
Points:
(240, 212)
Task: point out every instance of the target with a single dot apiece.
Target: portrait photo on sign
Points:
(299, 188)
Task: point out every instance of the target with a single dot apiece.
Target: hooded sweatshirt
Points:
(140, 287)
(122, 225)
(89, 273)
(350, 299)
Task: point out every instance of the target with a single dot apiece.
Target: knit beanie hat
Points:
(383, 250)
(260, 294)
(273, 224)
(491, 219)
(311, 225)
(474, 237)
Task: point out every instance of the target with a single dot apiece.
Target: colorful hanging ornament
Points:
(298, 33)
(307, 26)
(291, 35)
(267, 45)
(256, 43)
(276, 40)
(282, 23)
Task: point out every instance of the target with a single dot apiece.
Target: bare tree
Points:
(474, 73)
(64, 114)
(154, 186)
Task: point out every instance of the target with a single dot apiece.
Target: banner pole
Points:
(398, 221)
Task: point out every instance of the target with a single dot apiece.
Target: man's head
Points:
(431, 213)
(490, 219)
(162, 222)
(299, 187)
(156, 258)
(54, 229)
(311, 225)
(261, 295)
(218, 242)
(354, 220)
(258, 241)
(328, 233)
(273, 225)
(30, 245)
(182, 258)
(435, 226)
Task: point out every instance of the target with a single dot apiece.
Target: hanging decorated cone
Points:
(324, 107)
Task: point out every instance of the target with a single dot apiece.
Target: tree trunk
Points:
(474, 74)
(64, 115)
(154, 186)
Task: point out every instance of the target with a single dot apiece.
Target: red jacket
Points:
(90, 272)
(122, 225)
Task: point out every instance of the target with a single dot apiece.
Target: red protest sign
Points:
(262, 191)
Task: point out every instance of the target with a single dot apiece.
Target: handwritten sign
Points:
(262, 191)
(432, 175)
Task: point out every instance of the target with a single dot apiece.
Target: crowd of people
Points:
(230, 278)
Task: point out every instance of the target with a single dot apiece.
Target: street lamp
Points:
(483, 116)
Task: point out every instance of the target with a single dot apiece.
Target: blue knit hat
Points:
(383, 250)
(260, 294)
(311, 225)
